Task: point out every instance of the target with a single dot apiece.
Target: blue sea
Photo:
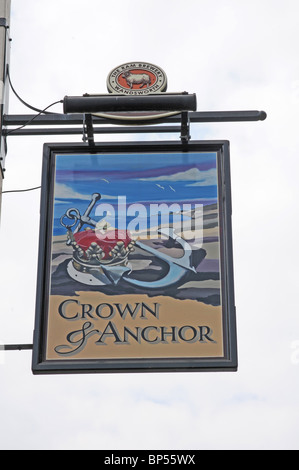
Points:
(118, 215)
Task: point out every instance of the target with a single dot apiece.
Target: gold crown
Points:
(93, 248)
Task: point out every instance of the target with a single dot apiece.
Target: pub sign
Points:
(135, 259)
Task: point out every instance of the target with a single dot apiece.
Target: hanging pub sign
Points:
(135, 264)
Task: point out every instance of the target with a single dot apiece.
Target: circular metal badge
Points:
(137, 78)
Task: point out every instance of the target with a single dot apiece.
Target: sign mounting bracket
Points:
(88, 132)
(185, 127)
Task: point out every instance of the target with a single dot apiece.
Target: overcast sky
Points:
(234, 54)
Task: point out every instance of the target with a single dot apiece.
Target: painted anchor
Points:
(90, 266)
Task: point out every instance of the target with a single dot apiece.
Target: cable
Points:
(40, 111)
(32, 119)
(19, 98)
(21, 190)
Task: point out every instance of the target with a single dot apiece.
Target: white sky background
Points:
(235, 55)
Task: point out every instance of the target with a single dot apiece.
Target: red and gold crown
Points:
(96, 248)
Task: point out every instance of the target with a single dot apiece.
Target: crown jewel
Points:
(96, 248)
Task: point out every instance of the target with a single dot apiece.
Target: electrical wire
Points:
(39, 111)
(20, 190)
(34, 117)
(22, 101)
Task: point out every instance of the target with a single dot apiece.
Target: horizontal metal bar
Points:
(73, 119)
(228, 116)
(42, 120)
(15, 347)
(96, 130)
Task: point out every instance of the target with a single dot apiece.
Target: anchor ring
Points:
(69, 215)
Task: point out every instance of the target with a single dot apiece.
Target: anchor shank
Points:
(85, 219)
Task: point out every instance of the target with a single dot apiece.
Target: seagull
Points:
(103, 179)
(172, 189)
(159, 186)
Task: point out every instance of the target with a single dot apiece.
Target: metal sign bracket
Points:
(88, 132)
(88, 129)
(185, 127)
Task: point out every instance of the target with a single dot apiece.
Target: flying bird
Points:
(159, 186)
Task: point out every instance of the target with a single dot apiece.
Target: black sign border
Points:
(230, 361)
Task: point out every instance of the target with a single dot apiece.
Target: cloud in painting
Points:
(62, 191)
(199, 178)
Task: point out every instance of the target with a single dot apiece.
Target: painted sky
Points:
(144, 177)
(147, 179)
(235, 55)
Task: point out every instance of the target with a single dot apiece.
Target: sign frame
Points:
(229, 361)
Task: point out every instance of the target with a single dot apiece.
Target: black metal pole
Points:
(15, 347)
(77, 119)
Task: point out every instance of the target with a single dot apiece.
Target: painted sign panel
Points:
(135, 267)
